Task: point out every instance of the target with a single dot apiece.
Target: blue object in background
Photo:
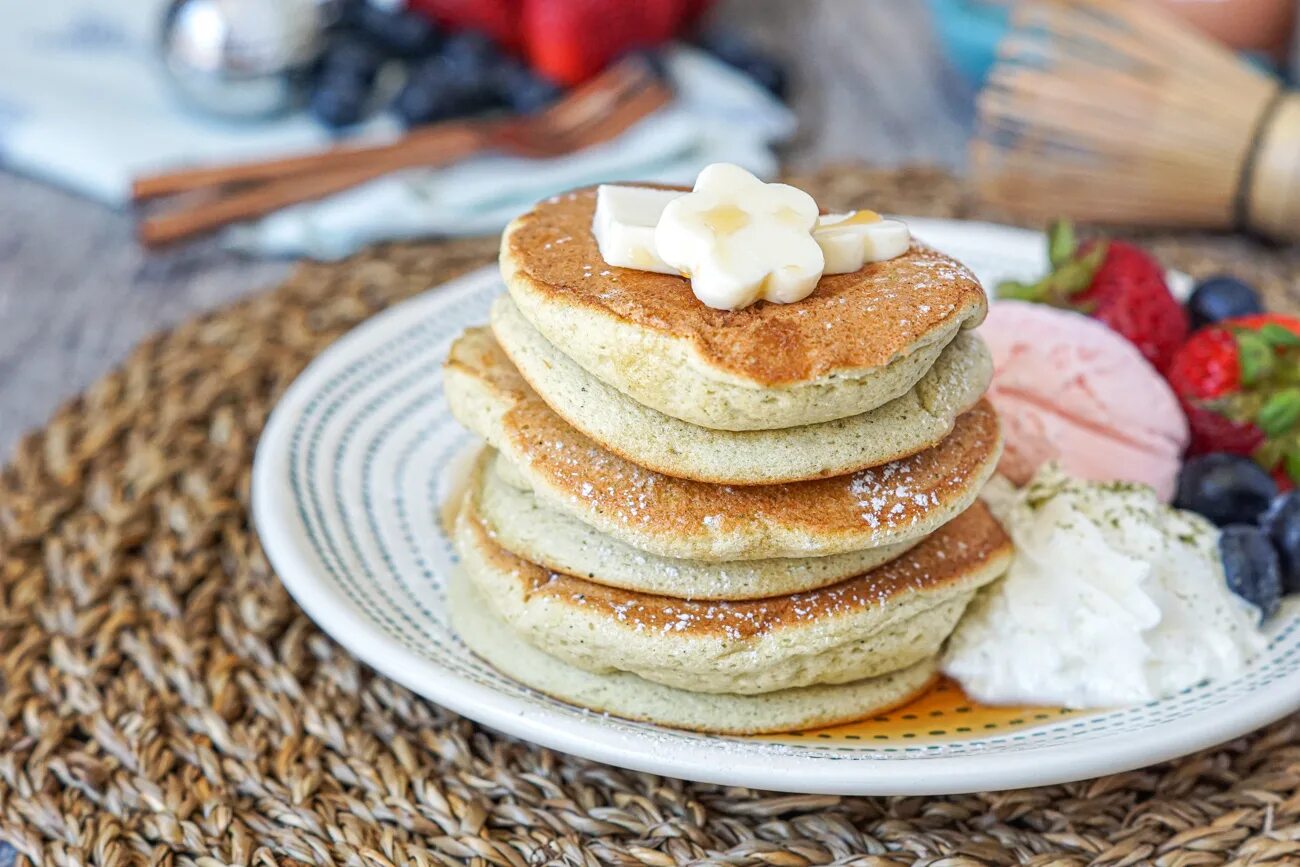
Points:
(969, 31)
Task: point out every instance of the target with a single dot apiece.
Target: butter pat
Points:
(624, 226)
(737, 239)
(851, 240)
(741, 240)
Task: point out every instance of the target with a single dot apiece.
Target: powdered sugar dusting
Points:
(873, 506)
(951, 553)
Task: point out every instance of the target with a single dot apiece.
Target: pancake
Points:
(520, 524)
(895, 503)
(857, 342)
(882, 621)
(629, 696)
(904, 426)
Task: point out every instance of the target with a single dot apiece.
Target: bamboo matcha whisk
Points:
(1114, 111)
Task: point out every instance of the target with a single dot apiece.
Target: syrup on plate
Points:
(942, 713)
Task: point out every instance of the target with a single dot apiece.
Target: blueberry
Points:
(1282, 523)
(396, 31)
(1227, 489)
(339, 101)
(351, 57)
(1251, 566)
(734, 50)
(523, 90)
(433, 93)
(1220, 298)
(471, 56)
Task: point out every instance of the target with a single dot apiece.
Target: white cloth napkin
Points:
(83, 103)
(719, 114)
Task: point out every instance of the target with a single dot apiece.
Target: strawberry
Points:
(571, 40)
(497, 18)
(1114, 282)
(693, 11)
(1239, 383)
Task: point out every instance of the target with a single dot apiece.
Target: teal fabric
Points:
(969, 31)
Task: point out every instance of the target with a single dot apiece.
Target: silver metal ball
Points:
(241, 58)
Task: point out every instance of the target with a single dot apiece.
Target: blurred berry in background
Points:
(435, 60)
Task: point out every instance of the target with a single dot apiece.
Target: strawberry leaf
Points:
(1070, 274)
(1087, 308)
(1062, 243)
(1254, 357)
(1292, 463)
(1018, 291)
(1280, 412)
(1269, 454)
(1278, 336)
(1072, 278)
(1077, 275)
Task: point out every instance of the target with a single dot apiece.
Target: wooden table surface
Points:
(76, 292)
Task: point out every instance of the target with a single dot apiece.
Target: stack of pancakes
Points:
(730, 521)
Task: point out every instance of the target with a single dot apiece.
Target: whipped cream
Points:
(1113, 598)
(739, 240)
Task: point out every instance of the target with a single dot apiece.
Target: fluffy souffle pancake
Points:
(859, 341)
(632, 697)
(894, 503)
(882, 621)
(903, 426)
(519, 523)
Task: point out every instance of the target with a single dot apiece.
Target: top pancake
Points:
(634, 329)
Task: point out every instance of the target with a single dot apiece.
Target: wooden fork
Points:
(589, 114)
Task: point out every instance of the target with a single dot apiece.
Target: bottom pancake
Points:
(629, 696)
(866, 626)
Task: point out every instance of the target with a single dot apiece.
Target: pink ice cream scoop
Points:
(1070, 389)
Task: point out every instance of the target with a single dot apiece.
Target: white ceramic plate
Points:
(347, 488)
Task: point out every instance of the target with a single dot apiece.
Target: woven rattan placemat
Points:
(162, 701)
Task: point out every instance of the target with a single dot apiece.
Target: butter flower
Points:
(740, 240)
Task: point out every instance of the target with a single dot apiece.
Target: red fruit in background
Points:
(500, 19)
(1114, 282)
(1129, 294)
(693, 11)
(571, 40)
(1239, 383)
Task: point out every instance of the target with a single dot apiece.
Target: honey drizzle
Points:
(725, 219)
(942, 713)
(858, 218)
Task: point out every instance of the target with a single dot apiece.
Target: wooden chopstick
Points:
(188, 180)
(293, 189)
(592, 112)
(616, 80)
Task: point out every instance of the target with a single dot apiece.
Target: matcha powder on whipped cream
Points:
(1113, 598)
